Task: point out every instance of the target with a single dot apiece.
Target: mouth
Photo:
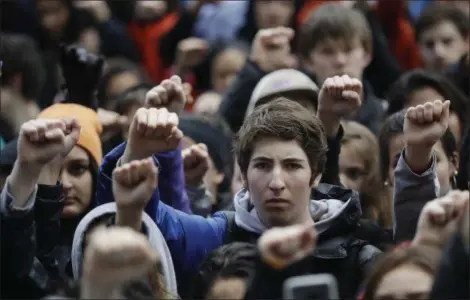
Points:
(69, 200)
(277, 203)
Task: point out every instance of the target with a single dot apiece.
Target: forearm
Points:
(22, 183)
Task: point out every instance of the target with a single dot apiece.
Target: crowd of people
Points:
(205, 149)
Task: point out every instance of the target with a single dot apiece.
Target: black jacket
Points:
(29, 268)
(338, 252)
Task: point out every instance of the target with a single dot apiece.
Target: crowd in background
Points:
(210, 149)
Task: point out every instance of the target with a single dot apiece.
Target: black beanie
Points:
(218, 142)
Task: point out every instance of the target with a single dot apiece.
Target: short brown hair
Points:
(286, 120)
(413, 255)
(435, 13)
(334, 21)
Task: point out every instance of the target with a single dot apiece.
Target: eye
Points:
(447, 41)
(354, 173)
(77, 169)
(293, 166)
(261, 166)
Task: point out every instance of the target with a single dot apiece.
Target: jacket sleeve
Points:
(331, 173)
(18, 236)
(47, 211)
(411, 192)
(171, 180)
(237, 97)
(190, 238)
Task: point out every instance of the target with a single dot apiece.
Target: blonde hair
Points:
(376, 200)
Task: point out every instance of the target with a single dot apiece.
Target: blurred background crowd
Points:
(229, 58)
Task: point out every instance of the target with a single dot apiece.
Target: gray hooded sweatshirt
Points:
(324, 212)
(154, 235)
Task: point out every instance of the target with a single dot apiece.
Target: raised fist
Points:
(340, 96)
(191, 52)
(196, 164)
(271, 49)
(170, 93)
(281, 247)
(134, 183)
(426, 124)
(440, 218)
(82, 71)
(115, 256)
(152, 131)
(41, 140)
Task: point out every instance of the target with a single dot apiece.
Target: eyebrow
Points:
(288, 160)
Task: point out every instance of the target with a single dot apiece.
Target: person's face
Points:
(53, 16)
(271, 14)
(213, 177)
(427, 94)
(226, 66)
(445, 168)
(279, 181)
(227, 288)
(149, 10)
(119, 83)
(207, 103)
(337, 57)
(352, 170)
(404, 282)
(442, 45)
(77, 183)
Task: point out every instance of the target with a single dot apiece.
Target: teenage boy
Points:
(442, 32)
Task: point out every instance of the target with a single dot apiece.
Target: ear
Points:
(367, 58)
(454, 163)
(219, 177)
(17, 82)
(316, 181)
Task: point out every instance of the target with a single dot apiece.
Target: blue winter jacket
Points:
(190, 238)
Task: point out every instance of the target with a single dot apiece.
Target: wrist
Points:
(418, 157)
(129, 217)
(49, 175)
(25, 172)
(331, 123)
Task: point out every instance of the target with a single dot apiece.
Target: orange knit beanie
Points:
(88, 120)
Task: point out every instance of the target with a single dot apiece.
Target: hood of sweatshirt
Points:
(155, 237)
(335, 211)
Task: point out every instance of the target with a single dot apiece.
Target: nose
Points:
(341, 59)
(276, 183)
(439, 50)
(66, 182)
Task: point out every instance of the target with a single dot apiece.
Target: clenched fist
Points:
(170, 93)
(134, 184)
(114, 256)
(281, 247)
(271, 49)
(339, 97)
(440, 218)
(426, 124)
(190, 53)
(152, 131)
(41, 140)
(196, 164)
